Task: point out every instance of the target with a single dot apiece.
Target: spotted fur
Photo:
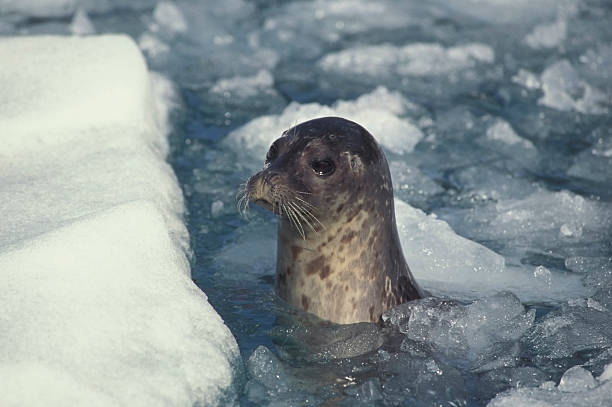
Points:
(339, 254)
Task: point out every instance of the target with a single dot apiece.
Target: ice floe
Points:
(576, 388)
(97, 305)
(413, 59)
(565, 90)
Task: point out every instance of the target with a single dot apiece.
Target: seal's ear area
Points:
(354, 163)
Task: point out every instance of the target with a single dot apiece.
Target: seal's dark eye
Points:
(272, 153)
(323, 167)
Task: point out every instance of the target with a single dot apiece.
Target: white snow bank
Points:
(380, 112)
(97, 305)
(55, 92)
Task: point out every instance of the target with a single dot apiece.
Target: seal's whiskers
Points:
(299, 213)
(309, 213)
(242, 200)
(294, 218)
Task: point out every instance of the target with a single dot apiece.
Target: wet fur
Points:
(339, 255)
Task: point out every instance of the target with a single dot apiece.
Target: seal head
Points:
(339, 255)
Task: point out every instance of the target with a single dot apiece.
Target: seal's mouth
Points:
(264, 203)
(280, 200)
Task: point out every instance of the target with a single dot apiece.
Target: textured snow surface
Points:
(97, 306)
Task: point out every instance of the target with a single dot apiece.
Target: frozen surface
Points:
(97, 305)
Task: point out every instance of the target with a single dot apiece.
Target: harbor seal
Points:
(339, 255)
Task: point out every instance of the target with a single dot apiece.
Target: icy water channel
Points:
(495, 118)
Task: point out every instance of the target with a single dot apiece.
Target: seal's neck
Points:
(337, 271)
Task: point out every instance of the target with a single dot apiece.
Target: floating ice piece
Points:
(487, 183)
(596, 64)
(547, 35)
(544, 212)
(246, 86)
(81, 24)
(527, 79)
(224, 32)
(485, 331)
(543, 273)
(414, 59)
(578, 326)
(409, 182)
(441, 259)
(380, 112)
(425, 380)
(595, 163)
(97, 306)
(576, 379)
(565, 90)
(152, 45)
(450, 265)
(307, 26)
(577, 388)
(216, 209)
(607, 373)
(170, 17)
(264, 367)
(369, 391)
(497, 380)
(544, 221)
(502, 131)
(270, 384)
